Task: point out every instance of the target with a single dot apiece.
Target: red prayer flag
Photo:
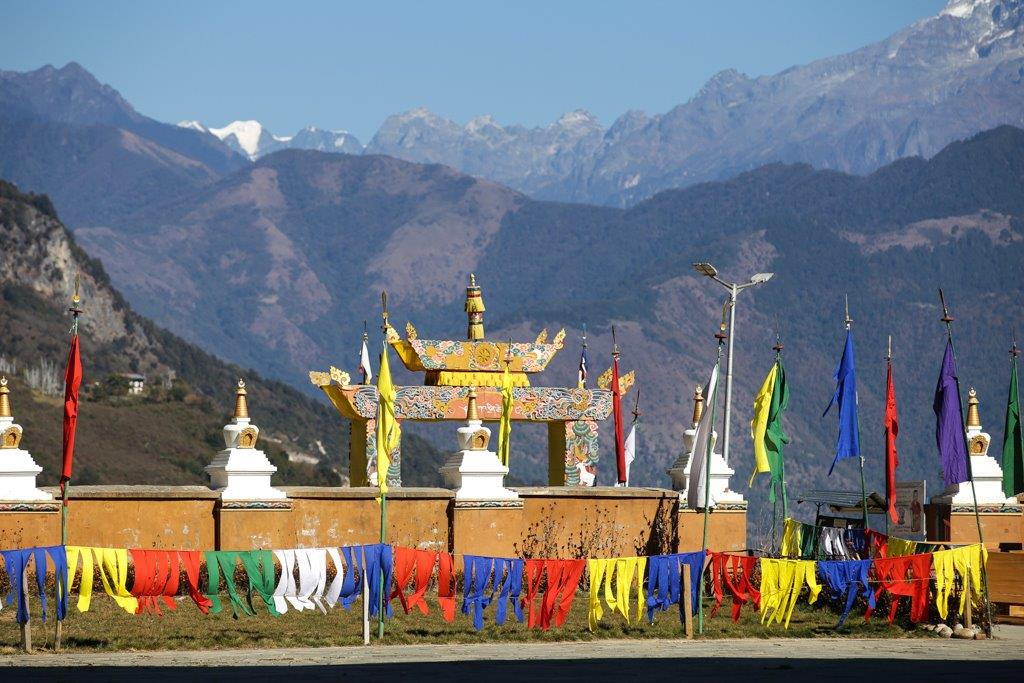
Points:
(892, 430)
(620, 444)
(72, 381)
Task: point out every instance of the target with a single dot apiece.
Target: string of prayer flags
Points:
(905, 576)
(407, 562)
(965, 562)
(845, 579)
(376, 566)
(562, 579)
(308, 593)
(620, 571)
(664, 583)
(507, 582)
(16, 562)
(446, 586)
(781, 583)
(735, 572)
(157, 574)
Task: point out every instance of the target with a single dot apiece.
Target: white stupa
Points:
(720, 472)
(986, 471)
(241, 472)
(474, 472)
(18, 471)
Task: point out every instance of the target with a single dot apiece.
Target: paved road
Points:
(750, 660)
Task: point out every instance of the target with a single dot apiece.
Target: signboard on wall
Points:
(910, 498)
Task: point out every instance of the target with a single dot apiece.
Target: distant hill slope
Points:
(277, 266)
(64, 133)
(166, 436)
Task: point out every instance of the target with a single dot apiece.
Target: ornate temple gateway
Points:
(451, 368)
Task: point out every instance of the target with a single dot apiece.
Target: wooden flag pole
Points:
(383, 495)
(948, 320)
(26, 628)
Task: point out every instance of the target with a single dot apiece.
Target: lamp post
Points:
(708, 270)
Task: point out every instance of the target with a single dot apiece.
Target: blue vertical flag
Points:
(848, 443)
(949, 424)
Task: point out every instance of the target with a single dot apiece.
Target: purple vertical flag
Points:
(949, 426)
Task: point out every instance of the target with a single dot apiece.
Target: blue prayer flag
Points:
(848, 443)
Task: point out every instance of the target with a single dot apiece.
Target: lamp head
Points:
(758, 278)
(705, 268)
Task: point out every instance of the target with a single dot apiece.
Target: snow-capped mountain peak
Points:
(252, 139)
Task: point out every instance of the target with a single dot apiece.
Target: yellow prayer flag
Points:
(759, 425)
(389, 432)
(505, 426)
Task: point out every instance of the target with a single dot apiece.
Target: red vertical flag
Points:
(892, 430)
(620, 444)
(72, 381)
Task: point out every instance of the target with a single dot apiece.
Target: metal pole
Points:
(946, 318)
(383, 537)
(733, 291)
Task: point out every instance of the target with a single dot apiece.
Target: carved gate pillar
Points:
(572, 453)
(362, 450)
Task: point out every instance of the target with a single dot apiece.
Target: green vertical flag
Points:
(775, 437)
(1013, 442)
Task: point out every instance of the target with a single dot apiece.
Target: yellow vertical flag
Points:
(505, 427)
(759, 425)
(389, 433)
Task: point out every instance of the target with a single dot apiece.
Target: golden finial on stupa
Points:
(973, 418)
(5, 402)
(471, 406)
(698, 404)
(474, 310)
(241, 407)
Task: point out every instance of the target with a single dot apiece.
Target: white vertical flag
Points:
(698, 459)
(364, 364)
(630, 451)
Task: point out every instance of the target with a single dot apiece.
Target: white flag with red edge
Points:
(364, 364)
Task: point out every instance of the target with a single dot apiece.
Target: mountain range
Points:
(942, 79)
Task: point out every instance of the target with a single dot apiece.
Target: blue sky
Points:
(350, 65)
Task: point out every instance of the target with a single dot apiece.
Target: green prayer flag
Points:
(775, 437)
(1013, 442)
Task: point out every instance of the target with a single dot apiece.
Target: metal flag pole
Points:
(383, 493)
(863, 489)
(888, 368)
(948, 320)
(721, 336)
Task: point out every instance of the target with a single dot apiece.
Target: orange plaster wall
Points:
(177, 524)
(29, 529)
(727, 530)
(323, 522)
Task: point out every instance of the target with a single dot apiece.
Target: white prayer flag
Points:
(364, 364)
(699, 458)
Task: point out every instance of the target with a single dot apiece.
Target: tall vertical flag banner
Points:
(848, 442)
(892, 430)
(389, 433)
(505, 426)
(364, 363)
(949, 429)
(696, 496)
(1013, 439)
(620, 445)
(72, 383)
(759, 425)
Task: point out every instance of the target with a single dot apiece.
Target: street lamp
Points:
(708, 270)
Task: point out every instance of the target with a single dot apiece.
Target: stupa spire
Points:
(474, 310)
(241, 407)
(5, 401)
